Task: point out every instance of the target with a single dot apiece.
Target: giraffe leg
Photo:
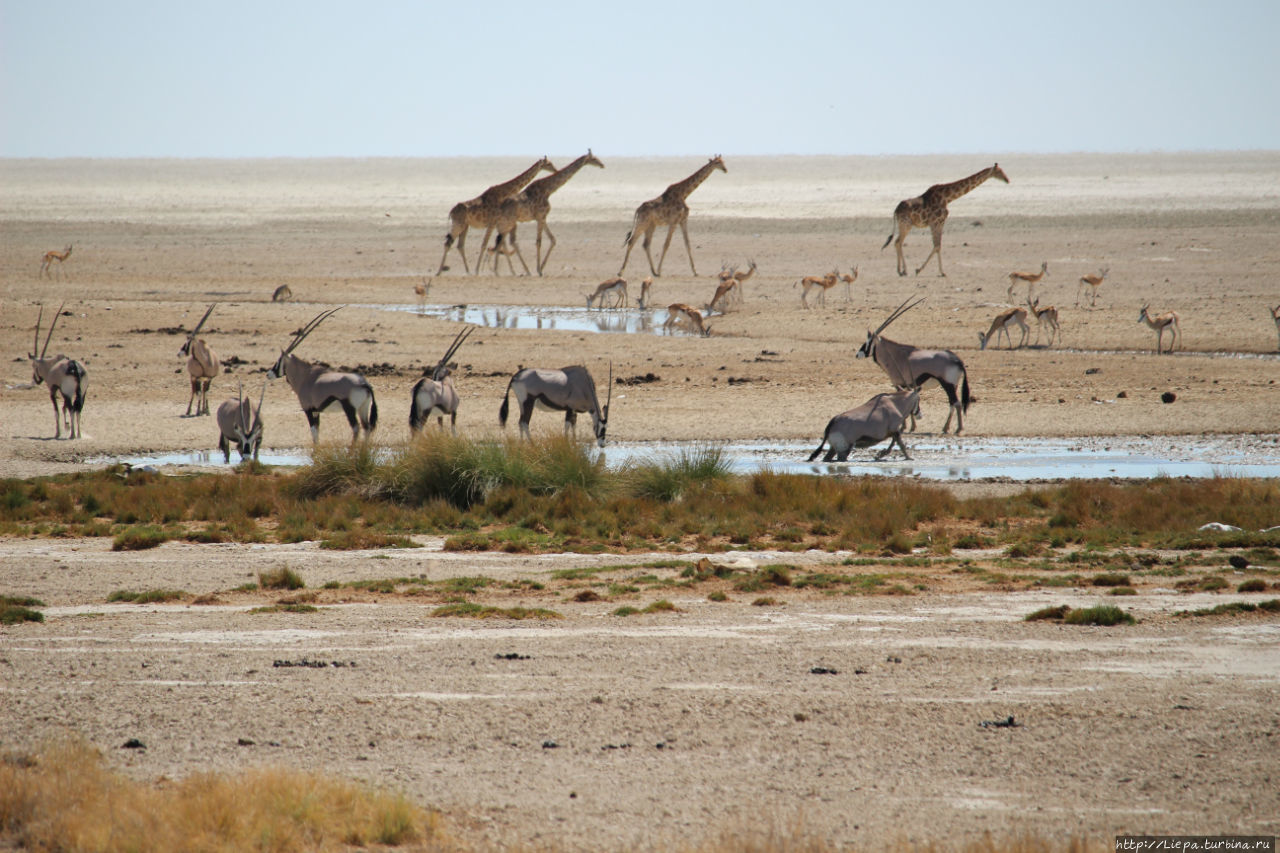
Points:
(684, 231)
(666, 244)
(542, 263)
(488, 232)
(648, 241)
(903, 228)
(937, 249)
(516, 247)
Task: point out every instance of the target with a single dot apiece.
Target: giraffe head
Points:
(997, 172)
(592, 160)
(718, 162)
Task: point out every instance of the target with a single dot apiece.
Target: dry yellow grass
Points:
(67, 798)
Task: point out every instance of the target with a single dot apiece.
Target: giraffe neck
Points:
(501, 191)
(682, 189)
(544, 187)
(951, 192)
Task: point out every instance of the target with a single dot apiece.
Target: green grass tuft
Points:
(139, 538)
(150, 596)
(1104, 614)
(282, 578)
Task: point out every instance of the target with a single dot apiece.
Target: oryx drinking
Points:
(65, 376)
(240, 424)
(881, 417)
(570, 390)
(202, 366)
(435, 394)
(908, 366)
(320, 389)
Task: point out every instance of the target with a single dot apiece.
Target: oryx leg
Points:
(571, 423)
(313, 420)
(354, 419)
(225, 447)
(526, 413)
(57, 416)
(896, 437)
(195, 390)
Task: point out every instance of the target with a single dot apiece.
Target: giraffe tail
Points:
(892, 234)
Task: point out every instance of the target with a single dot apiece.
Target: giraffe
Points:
(931, 209)
(533, 205)
(482, 209)
(668, 209)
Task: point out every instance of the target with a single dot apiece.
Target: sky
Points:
(188, 78)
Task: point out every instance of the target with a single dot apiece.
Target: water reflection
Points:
(544, 317)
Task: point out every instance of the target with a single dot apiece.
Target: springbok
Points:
(320, 389)
(282, 294)
(809, 282)
(46, 263)
(679, 314)
(240, 424)
(1031, 278)
(724, 291)
(739, 278)
(1093, 282)
(421, 290)
(849, 278)
(202, 366)
(1275, 316)
(1047, 316)
(908, 366)
(646, 286)
(1000, 326)
(1167, 320)
(570, 390)
(64, 375)
(881, 417)
(614, 287)
(435, 394)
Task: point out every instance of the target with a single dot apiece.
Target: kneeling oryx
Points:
(570, 390)
(240, 424)
(908, 366)
(435, 394)
(881, 417)
(320, 389)
(65, 376)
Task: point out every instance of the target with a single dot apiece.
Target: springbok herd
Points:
(572, 390)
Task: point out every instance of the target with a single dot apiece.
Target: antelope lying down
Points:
(320, 389)
(65, 376)
(435, 394)
(881, 417)
(908, 366)
(240, 424)
(570, 390)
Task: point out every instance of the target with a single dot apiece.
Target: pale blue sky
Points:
(128, 78)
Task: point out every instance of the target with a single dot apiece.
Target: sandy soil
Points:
(1166, 726)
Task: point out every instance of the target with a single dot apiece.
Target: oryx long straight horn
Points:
(202, 366)
(322, 390)
(435, 394)
(67, 379)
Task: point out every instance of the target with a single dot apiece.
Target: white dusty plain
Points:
(1166, 726)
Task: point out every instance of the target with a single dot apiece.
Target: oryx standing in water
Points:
(881, 417)
(320, 389)
(64, 375)
(202, 366)
(908, 366)
(435, 394)
(241, 425)
(570, 390)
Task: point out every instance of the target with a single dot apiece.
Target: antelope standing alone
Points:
(240, 424)
(1047, 316)
(46, 263)
(66, 377)
(421, 290)
(849, 278)
(1000, 326)
(1275, 316)
(881, 417)
(908, 366)
(320, 389)
(1031, 279)
(646, 286)
(202, 366)
(1093, 282)
(435, 394)
(679, 314)
(570, 390)
(283, 293)
(1167, 320)
(614, 287)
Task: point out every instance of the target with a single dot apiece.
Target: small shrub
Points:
(660, 606)
(1056, 612)
(1111, 579)
(1123, 590)
(1213, 584)
(150, 596)
(764, 601)
(282, 578)
(717, 596)
(12, 614)
(1252, 585)
(364, 539)
(625, 611)
(471, 610)
(139, 538)
(286, 608)
(1105, 614)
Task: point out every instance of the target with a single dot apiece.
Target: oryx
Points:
(908, 366)
(320, 389)
(435, 394)
(881, 417)
(570, 390)
(64, 375)
(202, 366)
(240, 424)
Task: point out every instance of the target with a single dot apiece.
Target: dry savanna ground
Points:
(856, 717)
